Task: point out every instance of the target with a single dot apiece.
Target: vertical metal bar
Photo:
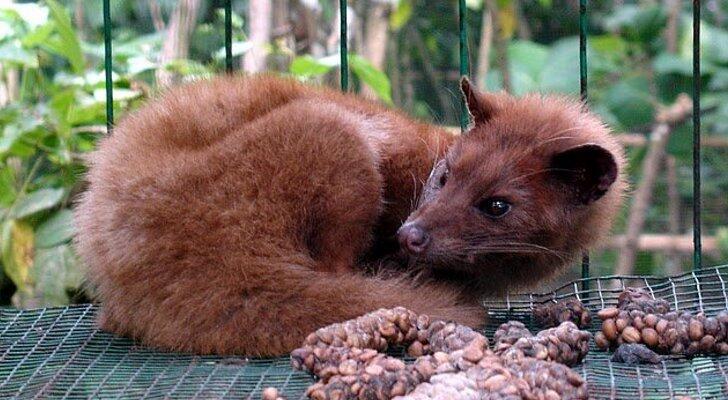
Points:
(583, 27)
(697, 202)
(107, 68)
(464, 59)
(343, 44)
(228, 36)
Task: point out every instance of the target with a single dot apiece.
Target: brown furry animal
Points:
(230, 216)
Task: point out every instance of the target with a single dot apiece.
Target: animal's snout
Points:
(413, 238)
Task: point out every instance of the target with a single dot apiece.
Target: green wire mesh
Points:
(59, 353)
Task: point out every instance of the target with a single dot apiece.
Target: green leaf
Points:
(17, 252)
(610, 53)
(38, 36)
(183, 67)
(528, 57)
(372, 77)
(86, 114)
(401, 15)
(7, 186)
(629, 100)
(713, 42)
(55, 270)
(667, 63)
(25, 127)
(307, 66)
(560, 72)
(637, 23)
(37, 201)
(11, 135)
(719, 81)
(55, 230)
(67, 43)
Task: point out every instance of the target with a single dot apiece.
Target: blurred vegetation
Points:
(53, 107)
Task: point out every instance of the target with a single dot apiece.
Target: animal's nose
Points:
(413, 238)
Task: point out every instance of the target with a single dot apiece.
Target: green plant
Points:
(56, 117)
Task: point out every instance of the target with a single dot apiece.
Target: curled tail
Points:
(273, 317)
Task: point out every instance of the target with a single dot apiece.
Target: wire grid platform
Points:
(59, 353)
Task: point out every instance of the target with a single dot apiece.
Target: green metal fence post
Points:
(464, 60)
(107, 68)
(697, 201)
(228, 36)
(343, 46)
(583, 28)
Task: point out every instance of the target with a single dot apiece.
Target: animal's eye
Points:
(494, 207)
(443, 178)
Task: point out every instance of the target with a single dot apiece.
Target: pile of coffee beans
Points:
(347, 359)
(639, 318)
(640, 299)
(565, 344)
(552, 314)
(499, 378)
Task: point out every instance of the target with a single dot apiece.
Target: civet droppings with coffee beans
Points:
(552, 314)
(639, 318)
(347, 359)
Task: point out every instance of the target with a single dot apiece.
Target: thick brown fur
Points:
(229, 216)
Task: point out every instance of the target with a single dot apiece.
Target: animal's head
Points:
(532, 184)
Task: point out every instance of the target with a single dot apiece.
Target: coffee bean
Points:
(711, 326)
(621, 323)
(631, 335)
(695, 329)
(707, 343)
(661, 326)
(607, 313)
(651, 320)
(650, 337)
(609, 328)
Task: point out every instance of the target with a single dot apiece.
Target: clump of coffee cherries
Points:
(552, 314)
(639, 318)
(348, 360)
(565, 344)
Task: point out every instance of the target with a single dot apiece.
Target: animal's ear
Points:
(586, 171)
(480, 106)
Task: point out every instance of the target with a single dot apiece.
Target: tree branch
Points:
(486, 41)
(665, 119)
(156, 13)
(260, 13)
(501, 47)
(177, 43)
(673, 206)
